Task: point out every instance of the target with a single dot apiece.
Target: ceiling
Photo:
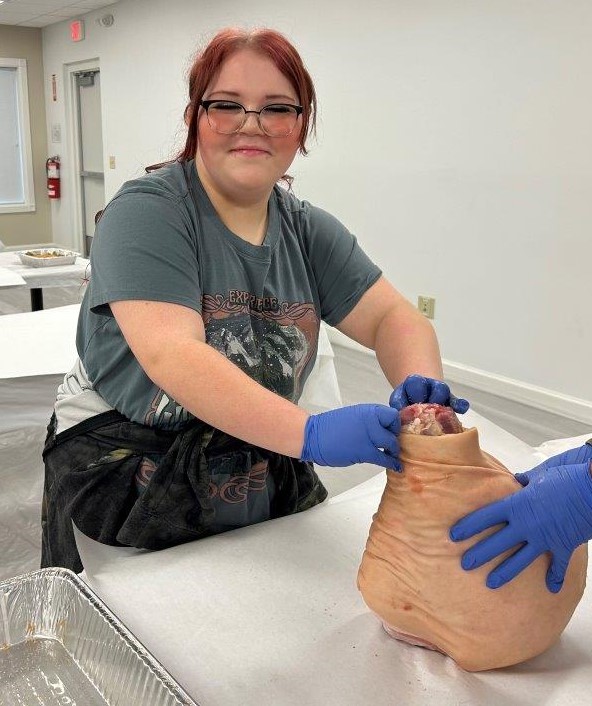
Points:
(40, 13)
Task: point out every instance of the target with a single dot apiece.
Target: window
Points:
(16, 164)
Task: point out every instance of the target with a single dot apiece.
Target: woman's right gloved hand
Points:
(361, 433)
(419, 389)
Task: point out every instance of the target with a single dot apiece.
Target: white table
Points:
(38, 278)
(270, 615)
(8, 278)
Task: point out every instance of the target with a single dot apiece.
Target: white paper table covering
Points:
(38, 342)
(271, 615)
(557, 446)
(9, 278)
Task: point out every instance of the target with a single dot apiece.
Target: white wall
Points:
(466, 176)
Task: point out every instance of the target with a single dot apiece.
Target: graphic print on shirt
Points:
(269, 340)
(164, 412)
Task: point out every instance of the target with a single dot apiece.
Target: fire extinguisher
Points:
(52, 167)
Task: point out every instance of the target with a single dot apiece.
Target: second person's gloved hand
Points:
(551, 513)
(418, 389)
(362, 433)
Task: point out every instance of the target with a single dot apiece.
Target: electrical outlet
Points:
(426, 305)
(111, 162)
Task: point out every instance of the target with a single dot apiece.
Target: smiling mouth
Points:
(250, 151)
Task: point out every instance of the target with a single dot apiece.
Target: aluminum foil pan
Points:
(59, 644)
(48, 257)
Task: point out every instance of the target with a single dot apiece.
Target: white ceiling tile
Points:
(10, 16)
(60, 13)
(39, 13)
(26, 7)
(50, 20)
(34, 23)
(35, 4)
(90, 4)
(56, 4)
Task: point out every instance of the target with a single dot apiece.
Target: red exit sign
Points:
(77, 30)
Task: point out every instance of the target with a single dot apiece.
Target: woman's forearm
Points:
(216, 391)
(406, 343)
(403, 339)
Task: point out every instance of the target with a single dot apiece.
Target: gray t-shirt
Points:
(161, 239)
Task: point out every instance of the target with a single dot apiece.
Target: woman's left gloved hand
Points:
(418, 389)
(551, 513)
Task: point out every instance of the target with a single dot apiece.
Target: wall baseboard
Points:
(515, 390)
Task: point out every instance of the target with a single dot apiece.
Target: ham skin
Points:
(410, 575)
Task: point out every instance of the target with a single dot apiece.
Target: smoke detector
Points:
(106, 20)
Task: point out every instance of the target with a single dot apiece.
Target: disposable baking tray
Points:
(47, 257)
(59, 644)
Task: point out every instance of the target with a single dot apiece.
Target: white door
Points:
(90, 151)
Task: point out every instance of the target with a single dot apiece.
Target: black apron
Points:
(124, 483)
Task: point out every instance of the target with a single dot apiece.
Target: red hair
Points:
(265, 41)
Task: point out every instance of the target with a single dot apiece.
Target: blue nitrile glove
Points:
(551, 513)
(417, 388)
(353, 434)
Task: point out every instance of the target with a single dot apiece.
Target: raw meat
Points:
(429, 420)
(410, 575)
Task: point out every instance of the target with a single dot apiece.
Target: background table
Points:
(270, 614)
(8, 278)
(38, 278)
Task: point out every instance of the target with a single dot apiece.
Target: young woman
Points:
(199, 328)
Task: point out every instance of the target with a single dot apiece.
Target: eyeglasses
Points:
(228, 117)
